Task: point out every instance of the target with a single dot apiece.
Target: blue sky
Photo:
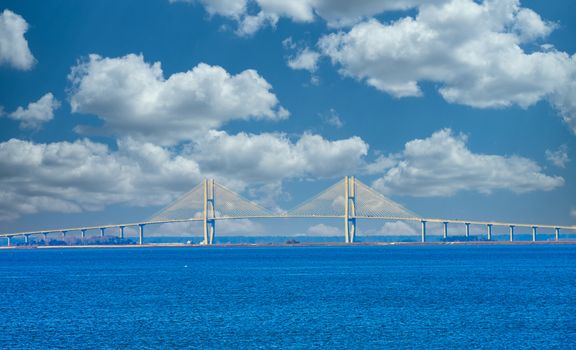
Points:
(454, 108)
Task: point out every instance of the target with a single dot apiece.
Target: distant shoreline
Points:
(312, 244)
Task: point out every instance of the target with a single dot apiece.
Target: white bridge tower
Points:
(349, 209)
(209, 212)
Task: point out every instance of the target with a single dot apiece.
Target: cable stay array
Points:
(189, 205)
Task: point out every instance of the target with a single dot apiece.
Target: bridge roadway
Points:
(423, 221)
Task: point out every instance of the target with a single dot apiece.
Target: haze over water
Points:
(491, 297)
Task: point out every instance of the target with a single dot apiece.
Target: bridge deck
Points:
(285, 216)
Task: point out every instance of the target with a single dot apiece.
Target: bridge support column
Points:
(122, 232)
(467, 231)
(141, 234)
(209, 212)
(83, 233)
(349, 209)
(45, 237)
(533, 233)
(64, 234)
(26, 239)
(9, 241)
(102, 231)
(557, 233)
(511, 233)
(423, 238)
(489, 226)
(445, 230)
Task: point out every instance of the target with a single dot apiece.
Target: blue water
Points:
(431, 297)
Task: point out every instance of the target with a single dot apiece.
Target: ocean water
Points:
(392, 297)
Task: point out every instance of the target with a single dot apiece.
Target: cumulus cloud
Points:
(241, 227)
(250, 24)
(302, 58)
(398, 228)
(325, 230)
(227, 8)
(84, 175)
(336, 13)
(14, 49)
(268, 157)
(133, 98)
(442, 165)
(564, 99)
(529, 26)
(332, 118)
(558, 157)
(305, 59)
(481, 65)
(37, 113)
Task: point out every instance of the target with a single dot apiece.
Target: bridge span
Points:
(349, 200)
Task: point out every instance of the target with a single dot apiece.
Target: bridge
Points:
(349, 200)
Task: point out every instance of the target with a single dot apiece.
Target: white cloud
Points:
(336, 13)
(530, 26)
(481, 65)
(332, 119)
(564, 100)
(305, 59)
(83, 175)
(227, 8)
(37, 113)
(14, 49)
(325, 230)
(268, 157)
(240, 227)
(175, 229)
(133, 98)
(398, 228)
(268, 194)
(442, 165)
(380, 165)
(558, 157)
(251, 24)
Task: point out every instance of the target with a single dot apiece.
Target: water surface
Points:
(488, 297)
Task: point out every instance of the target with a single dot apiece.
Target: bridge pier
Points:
(141, 234)
(83, 233)
(102, 231)
(445, 230)
(45, 237)
(64, 234)
(122, 232)
(9, 241)
(511, 233)
(467, 230)
(27, 239)
(557, 233)
(423, 238)
(534, 233)
(489, 231)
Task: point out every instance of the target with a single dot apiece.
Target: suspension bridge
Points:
(349, 200)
